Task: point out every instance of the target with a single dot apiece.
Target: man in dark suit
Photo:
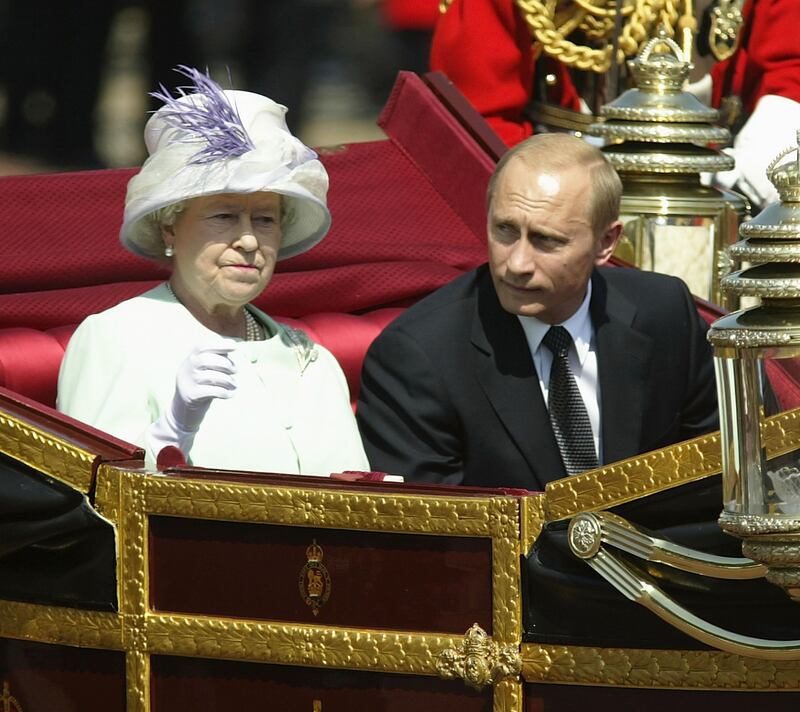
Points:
(477, 384)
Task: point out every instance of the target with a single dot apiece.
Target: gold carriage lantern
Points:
(658, 140)
(761, 497)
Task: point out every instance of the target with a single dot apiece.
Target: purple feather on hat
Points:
(213, 120)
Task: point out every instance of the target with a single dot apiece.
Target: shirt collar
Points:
(579, 326)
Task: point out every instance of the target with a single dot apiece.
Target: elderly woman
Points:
(226, 192)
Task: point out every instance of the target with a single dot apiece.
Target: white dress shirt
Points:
(582, 360)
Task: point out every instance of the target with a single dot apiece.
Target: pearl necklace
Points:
(253, 331)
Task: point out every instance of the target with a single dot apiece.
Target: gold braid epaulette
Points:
(596, 21)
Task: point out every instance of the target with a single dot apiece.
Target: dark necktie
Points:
(568, 415)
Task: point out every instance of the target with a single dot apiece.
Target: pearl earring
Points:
(169, 251)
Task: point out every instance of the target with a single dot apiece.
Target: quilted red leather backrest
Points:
(30, 358)
(407, 212)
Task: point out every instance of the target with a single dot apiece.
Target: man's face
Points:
(542, 248)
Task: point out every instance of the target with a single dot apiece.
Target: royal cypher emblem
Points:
(314, 581)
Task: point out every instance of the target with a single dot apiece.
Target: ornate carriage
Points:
(125, 589)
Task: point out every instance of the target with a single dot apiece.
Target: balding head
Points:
(558, 152)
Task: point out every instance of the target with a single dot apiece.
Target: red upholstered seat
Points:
(29, 361)
(30, 358)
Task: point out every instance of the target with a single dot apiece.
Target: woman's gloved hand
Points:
(205, 374)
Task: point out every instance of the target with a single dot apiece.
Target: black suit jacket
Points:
(450, 394)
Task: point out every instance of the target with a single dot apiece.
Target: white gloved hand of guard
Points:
(772, 127)
(205, 374)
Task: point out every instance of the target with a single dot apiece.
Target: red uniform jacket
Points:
(410, 14)
(768, 60)
(485, 47)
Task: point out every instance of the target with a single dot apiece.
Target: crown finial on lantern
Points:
(786, 176)
(662, 72)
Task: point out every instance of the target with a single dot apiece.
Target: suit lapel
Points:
(623, 365)
(506, 373)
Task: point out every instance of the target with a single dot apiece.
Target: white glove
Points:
(772, 127)
(205, 374)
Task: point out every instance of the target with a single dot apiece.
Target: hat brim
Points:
(307, 216)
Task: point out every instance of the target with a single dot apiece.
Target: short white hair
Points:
(151, 239)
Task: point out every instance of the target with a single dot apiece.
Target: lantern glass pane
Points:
(740, 387)
(674, 244)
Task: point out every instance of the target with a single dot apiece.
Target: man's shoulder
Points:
(649, 299)
(636, 282)
(635, 276)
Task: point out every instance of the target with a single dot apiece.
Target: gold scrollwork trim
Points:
(751, 338)
(60, 626)
(132, 569)
(137, 673)
(289, 644)
(631, 667)
(107, 492)
(299, 506)
(750, 250)
(669, 163)
(785, 231)
(532, 518)
(633, 478)
(43, 451)
(653, 114)
(757, 525)
(506, 599)
(775, 288)
(661, 469)
(780, 433)
(508, 696)
(660, 133)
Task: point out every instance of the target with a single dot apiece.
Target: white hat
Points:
(214, 141)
